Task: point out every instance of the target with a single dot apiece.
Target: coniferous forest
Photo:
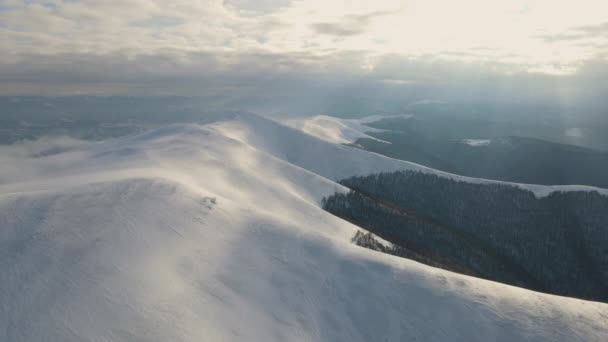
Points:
(556, 244)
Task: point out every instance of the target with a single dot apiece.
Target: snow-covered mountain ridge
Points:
(348, 130)
(214, 233)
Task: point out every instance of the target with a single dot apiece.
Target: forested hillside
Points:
(556, 244)
(513, 159)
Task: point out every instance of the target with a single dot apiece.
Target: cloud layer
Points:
(218, 46)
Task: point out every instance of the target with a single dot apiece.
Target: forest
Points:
(555, 244)
(513, 159)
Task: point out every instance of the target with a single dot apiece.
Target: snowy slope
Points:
(337, 130)
(335, 161)
(331, 129)
(214, 233)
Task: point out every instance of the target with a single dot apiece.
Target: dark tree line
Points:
(556, 244)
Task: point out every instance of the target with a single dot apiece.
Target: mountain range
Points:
(216, 231)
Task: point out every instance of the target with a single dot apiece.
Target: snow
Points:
(337, 130)
(214, 233)
(378, 239)
(378, 117)
(476, 142)
(336, 162)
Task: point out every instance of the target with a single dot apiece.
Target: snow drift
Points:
(214, 233)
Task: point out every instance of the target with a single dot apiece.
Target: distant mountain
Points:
(513, 159)
(95, 117)
(556, 244)
(583, 127)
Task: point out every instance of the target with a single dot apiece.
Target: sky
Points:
(219, 47)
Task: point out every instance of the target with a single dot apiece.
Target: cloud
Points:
(41, 147)
(22, 160)
(563, 37)
(256, 7)
(297, 82)
(579, 33)
(343, 29)
(350, 25)
(158, 21)
(233, 51)
(596, 30)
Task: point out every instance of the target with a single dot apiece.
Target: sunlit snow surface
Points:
(215, 233)
(336, 130)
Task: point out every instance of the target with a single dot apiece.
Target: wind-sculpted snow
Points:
(337, 130)
(331, 129)
(214, 233)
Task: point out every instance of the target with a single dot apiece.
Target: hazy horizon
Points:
(281, 54)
